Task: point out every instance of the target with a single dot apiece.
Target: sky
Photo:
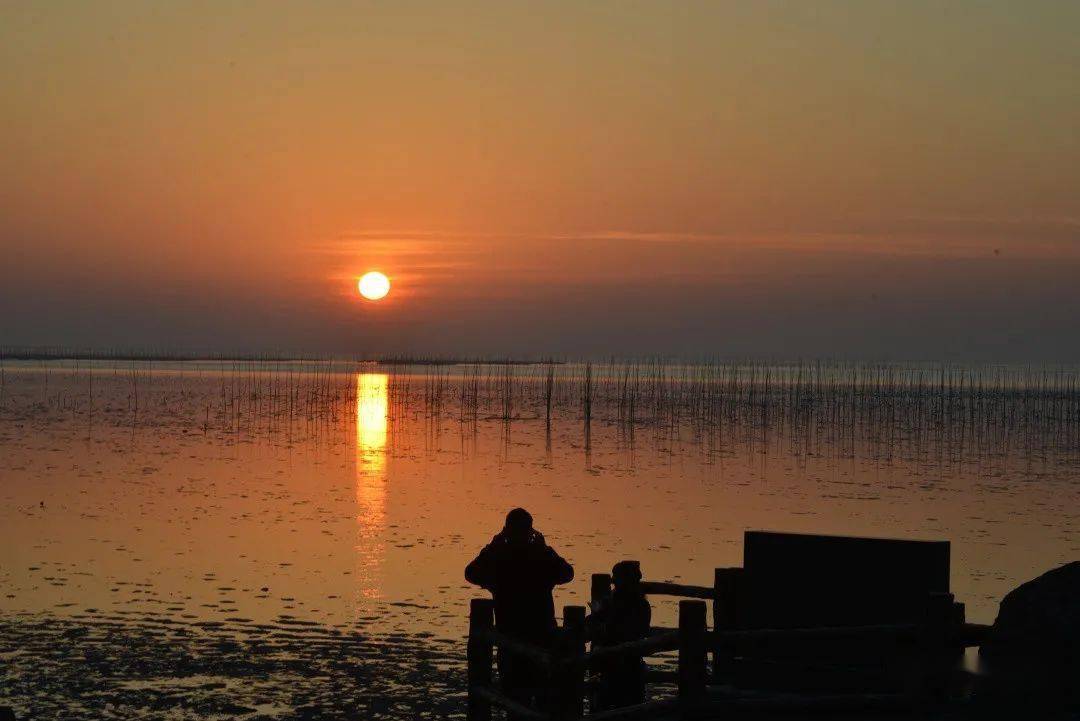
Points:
(871, 180)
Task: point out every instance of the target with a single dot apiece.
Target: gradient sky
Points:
(845, 179)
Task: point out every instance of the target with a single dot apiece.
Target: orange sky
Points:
(833, 178)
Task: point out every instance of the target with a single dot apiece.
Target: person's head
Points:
(519, 525)
(626, 575)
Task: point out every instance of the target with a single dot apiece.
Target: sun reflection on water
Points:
(371, 435)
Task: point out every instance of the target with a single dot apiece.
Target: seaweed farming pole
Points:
(549, 389)
(586, 405)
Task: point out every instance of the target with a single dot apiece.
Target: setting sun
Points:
(374, 285)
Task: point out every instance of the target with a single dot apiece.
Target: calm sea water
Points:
(264, 540)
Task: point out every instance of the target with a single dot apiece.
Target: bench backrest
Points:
(793, 580)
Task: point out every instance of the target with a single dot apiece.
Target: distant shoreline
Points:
(61, 354)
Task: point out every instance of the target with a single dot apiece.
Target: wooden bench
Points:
(797, 581)
(821, 613)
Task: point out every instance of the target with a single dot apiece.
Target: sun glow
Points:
(374, 285)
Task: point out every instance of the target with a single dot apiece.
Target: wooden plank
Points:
(668, 641)
(663, 588)
(518, 709)
(723, 699)
(661, 676)
(972, 634)
(649, 709)
(817, 634)
(521, 648)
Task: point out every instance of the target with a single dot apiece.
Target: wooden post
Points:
(571, 673)
(939, 654)
(691, 650)
(479, 655)
(939, 617)
(725, 590)
(959, 615)
(725, 595)
(601, 587)
(599, 593)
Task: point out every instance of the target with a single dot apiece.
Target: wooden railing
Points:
(565, 663)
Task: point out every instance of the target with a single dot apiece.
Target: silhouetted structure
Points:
(624, 615)
(795, 631)
(521, 570)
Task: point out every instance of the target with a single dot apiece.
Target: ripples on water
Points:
(258, 539)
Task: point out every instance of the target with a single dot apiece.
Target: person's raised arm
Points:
(481, 571)
(558, 569)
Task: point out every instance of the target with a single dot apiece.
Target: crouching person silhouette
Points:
(521, 570)
(625, 616)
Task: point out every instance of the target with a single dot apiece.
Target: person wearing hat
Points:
(521, 571)
(624, 616)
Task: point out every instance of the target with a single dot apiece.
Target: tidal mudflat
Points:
(252, 540)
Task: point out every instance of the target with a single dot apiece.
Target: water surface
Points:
(173, 532)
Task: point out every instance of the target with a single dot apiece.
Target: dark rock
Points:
(1039, 618)
(1031, 658)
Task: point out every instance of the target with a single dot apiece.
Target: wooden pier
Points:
(783, 653)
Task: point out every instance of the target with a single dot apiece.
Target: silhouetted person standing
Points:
(521, 571)
(625, 616)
